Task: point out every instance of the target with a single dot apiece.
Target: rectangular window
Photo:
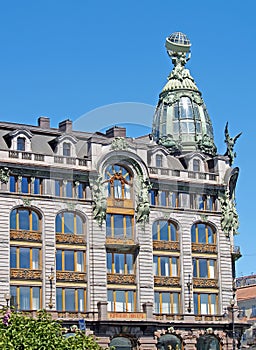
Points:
(20, 144)
(25, 185)
(167, 302)
(205, 304)
(25, 258)
(165, 266)
(13, 184)
(204, 268)
(121, 301)
(70, 299)
(69, 189)
(119, 226)
(57, 188)
(25, 297)
(120, 263)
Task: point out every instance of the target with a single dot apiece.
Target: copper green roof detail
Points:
(181, 121)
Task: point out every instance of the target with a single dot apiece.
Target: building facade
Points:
(134, 238)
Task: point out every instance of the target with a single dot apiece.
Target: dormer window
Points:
(21, 144)
(66, 149)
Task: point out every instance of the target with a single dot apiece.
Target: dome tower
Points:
(181, 122)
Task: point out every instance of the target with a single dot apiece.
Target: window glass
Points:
(79, 225)
(80, 191)
(201, 233)
(80, 261)
(13, 291)
(58, 223)
(12, 180)
(70, 299)
(165, 303)
(37, 186)
(130, 306)
(80, 294)
(203, 273)
(69, 189)
(35, 298)
(35, 221)
(164, 263)
(108, 225)
(20, 144)
(13, 257)
(57, 187)
(59, 299)
(210, 236)
(24, 185)
(163, 230)
(120, 301)
(59, 260)
(109, 262)
(155, 227)
(13, 223)
(119, 263)
(69, 260)
(157, 302)
(173, 233)
(111, 306)
(174, 267)
(35, 258)
(159, 161)
(128, 226)
(119, 225)
(129, 263)
(24, 258)
(24, 298)
(66, 149)
(23, 219)
(68, 222)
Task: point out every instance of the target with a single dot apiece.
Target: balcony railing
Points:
(166, 245)
(70, 276)
(183, 173)
(26, 236)
(70, 238)
(116, 278)
(26, 274)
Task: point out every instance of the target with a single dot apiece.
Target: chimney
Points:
(44, 122)
(66, 125)
(116, 131)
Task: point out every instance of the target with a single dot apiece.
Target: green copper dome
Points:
(181, 121)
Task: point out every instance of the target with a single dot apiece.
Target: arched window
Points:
(169, 341)
(165, 230)
(203, 233)
(121, 343)
(25, 219)
(208, 342)
(119, 182)
(69, 222)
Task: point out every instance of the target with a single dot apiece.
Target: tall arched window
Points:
(69, 222)
(203, 233)
(165, 230)
(118, 179)
(25, 226)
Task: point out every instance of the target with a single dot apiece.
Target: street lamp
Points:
(232, 308)
(7, 298)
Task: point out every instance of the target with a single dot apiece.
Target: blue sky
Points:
(63, 59)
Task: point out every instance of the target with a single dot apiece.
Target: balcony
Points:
(185, 174)
(236, 253)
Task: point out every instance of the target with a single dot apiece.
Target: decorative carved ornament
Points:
(99, 198)
(70, 238)
(26, 274)
(4, 175)
(72, 315)
(164, 245)
(205, 283)
(119, 241)
(70, 276)
(26, 236)
(143, 206)
(121, 279)
(166, 281)
(204, 248)
(119, 144)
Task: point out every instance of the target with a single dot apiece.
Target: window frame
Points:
(17, 217)
(62, 218)
(171, 264)
(197, 299)
(197, 267)
(207, 227)
(171, 302)
(18, 257)
(76, 298)
(18, 296)
(75, 257)
(112, 304)
(111, 227)
(158, 232)
(125, 264)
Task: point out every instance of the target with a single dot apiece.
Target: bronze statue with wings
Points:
(230, 142)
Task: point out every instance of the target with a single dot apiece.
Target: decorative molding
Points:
(165, 245)
(119, 144)
(99, 198)
(204, 248)
(26, 202)
(167, 281)
(143, 206)
(229, 216)
(25, 236)
(205, 283)
(70, 276)
(4, 175)
(120, 278)
(70, 238)
(26, 274)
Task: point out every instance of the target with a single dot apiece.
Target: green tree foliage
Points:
(20, 332)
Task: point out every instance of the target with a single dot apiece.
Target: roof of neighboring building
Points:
(246, 293)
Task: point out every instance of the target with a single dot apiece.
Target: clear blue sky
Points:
(63, 59)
